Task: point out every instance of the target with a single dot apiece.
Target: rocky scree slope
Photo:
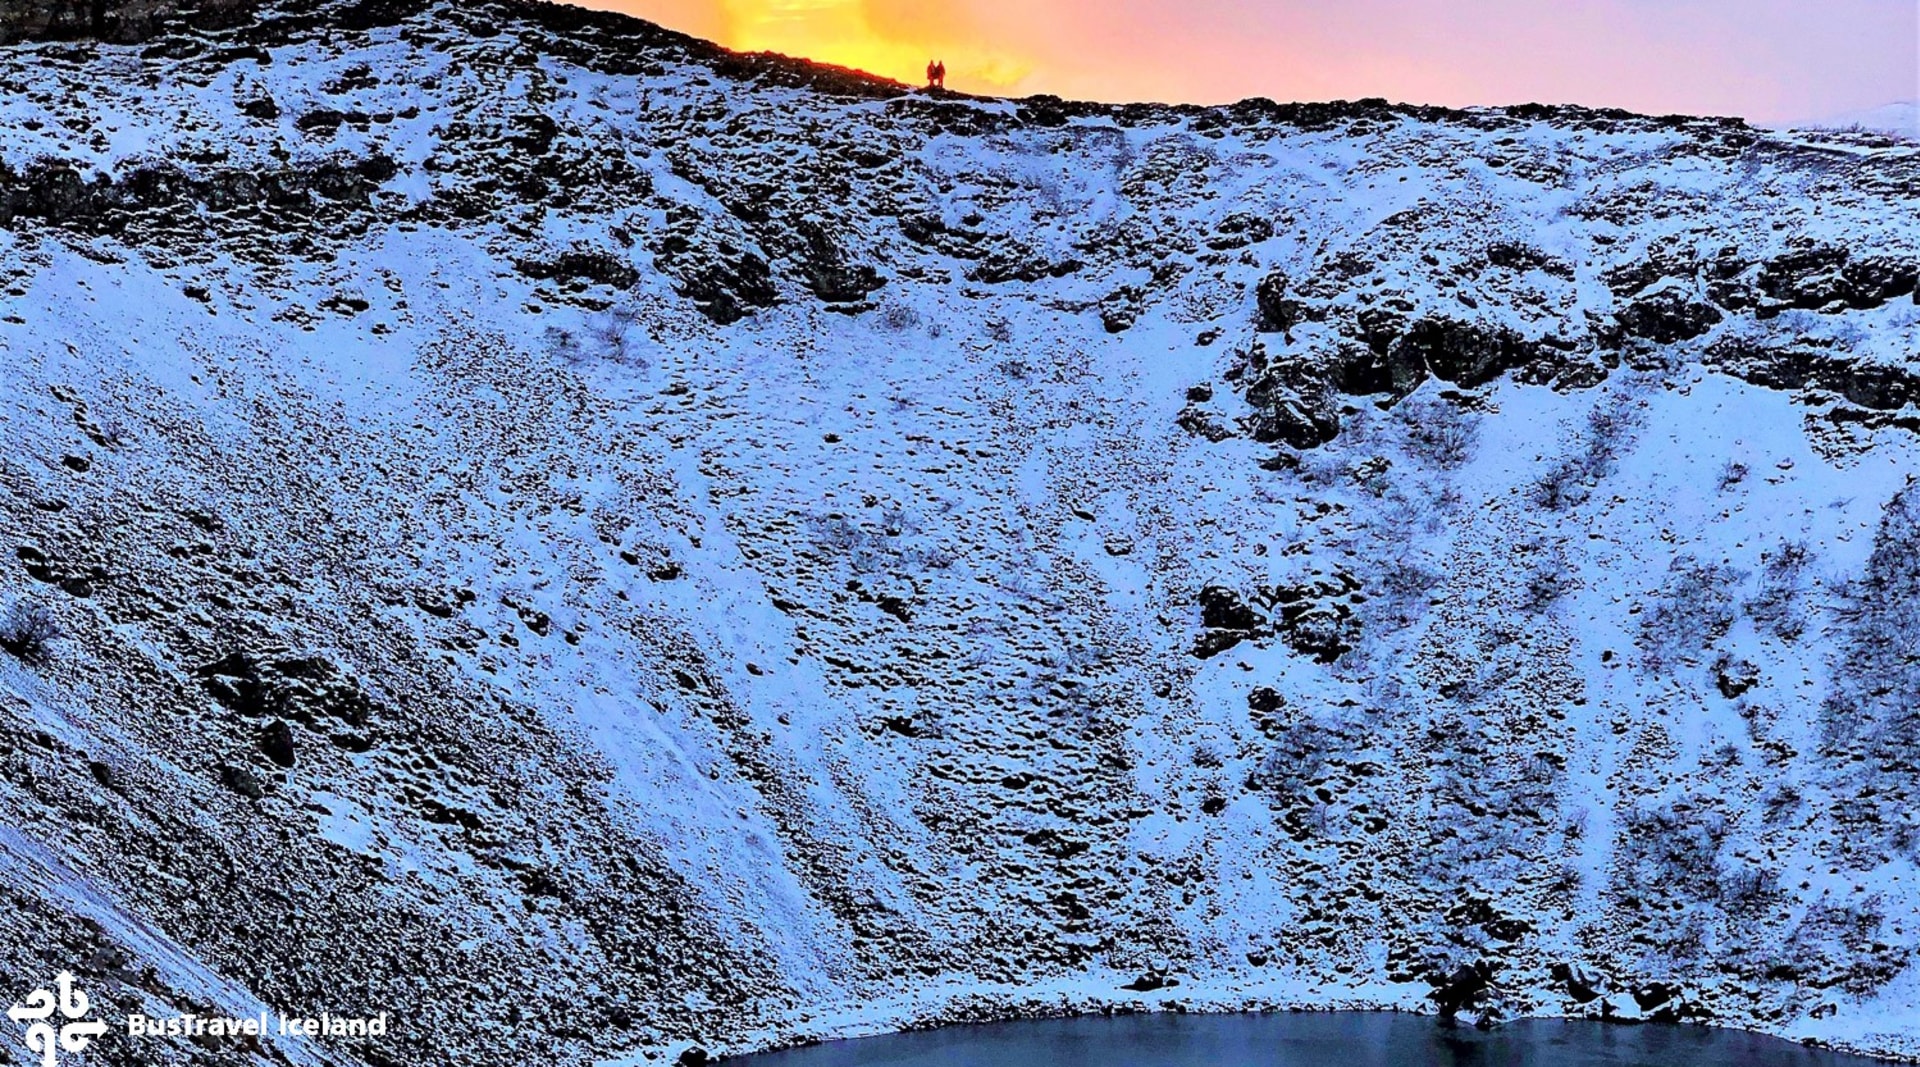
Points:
(591, 542)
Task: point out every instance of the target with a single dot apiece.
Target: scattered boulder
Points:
(276, 742)
(1577, 982)
(1820, 277)
(242, 781)
(1223, 609)
(300, 688)
(1734, 677)
(1468, 988)
(1275, 311)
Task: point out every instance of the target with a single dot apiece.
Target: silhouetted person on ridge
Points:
(933, 74)
(940, 73)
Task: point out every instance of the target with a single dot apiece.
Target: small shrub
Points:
(999, 330)
(1745, 888)
(899, 318)
(1780, 606)
(1695, 609)
(1559, 488)
(563, 344)
(1671, 852)
(1408, 577)
(1550, 576)
(1608, 432)
(607, 335)
(28, 631)
(609, 332)
(1438, 432)
(1779, 803)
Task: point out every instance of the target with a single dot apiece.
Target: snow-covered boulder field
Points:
(596, 545)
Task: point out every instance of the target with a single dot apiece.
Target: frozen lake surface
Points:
(1331, 1039)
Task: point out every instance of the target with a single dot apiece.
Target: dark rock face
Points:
(1276, 312)
(1818, 277)
(127, 22)
(1466, 989)
(1294, 401)
(1792, 366)
(730, 291)
(276, 742)
(1463, 353)
(334, 193)
(1310, 619)
(1394, 368)
(827, 271)
(1228, 620)
(583, 267)
(1667, 315)
(242, 781)
(1222, 609)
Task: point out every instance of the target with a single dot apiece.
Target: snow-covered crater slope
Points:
(596, 544)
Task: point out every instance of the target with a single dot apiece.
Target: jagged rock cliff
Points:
(121, 23)
(590, 542)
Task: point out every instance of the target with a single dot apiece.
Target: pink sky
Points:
(1768, 60)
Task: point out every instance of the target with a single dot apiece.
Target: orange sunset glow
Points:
(893, 38)
(1770, 60)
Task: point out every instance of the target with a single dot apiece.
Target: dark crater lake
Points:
(1317, 1039)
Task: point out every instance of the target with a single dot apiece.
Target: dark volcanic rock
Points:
(1398, 370)
(1223, 609)
(242, 781)
(827, 271)
(1463, 353)
(592, 266)
(125, 22)
(1276, 312)
(1228, 620)
(1822, 277)
(276, 742)
(1667, 314)
(1466, 989)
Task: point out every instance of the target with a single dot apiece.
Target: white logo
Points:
(40, 1006)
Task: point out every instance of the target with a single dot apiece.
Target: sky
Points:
(1766, 60)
